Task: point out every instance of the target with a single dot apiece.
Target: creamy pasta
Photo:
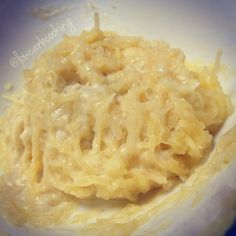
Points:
(104, 116)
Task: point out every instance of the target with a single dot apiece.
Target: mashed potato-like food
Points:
(105, 116)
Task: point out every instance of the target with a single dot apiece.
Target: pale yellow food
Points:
(104, 116)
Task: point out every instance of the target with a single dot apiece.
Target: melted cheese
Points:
(104, 116)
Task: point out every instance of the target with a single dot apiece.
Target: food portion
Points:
(104, 116)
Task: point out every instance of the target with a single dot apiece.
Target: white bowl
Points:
(199, 28)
